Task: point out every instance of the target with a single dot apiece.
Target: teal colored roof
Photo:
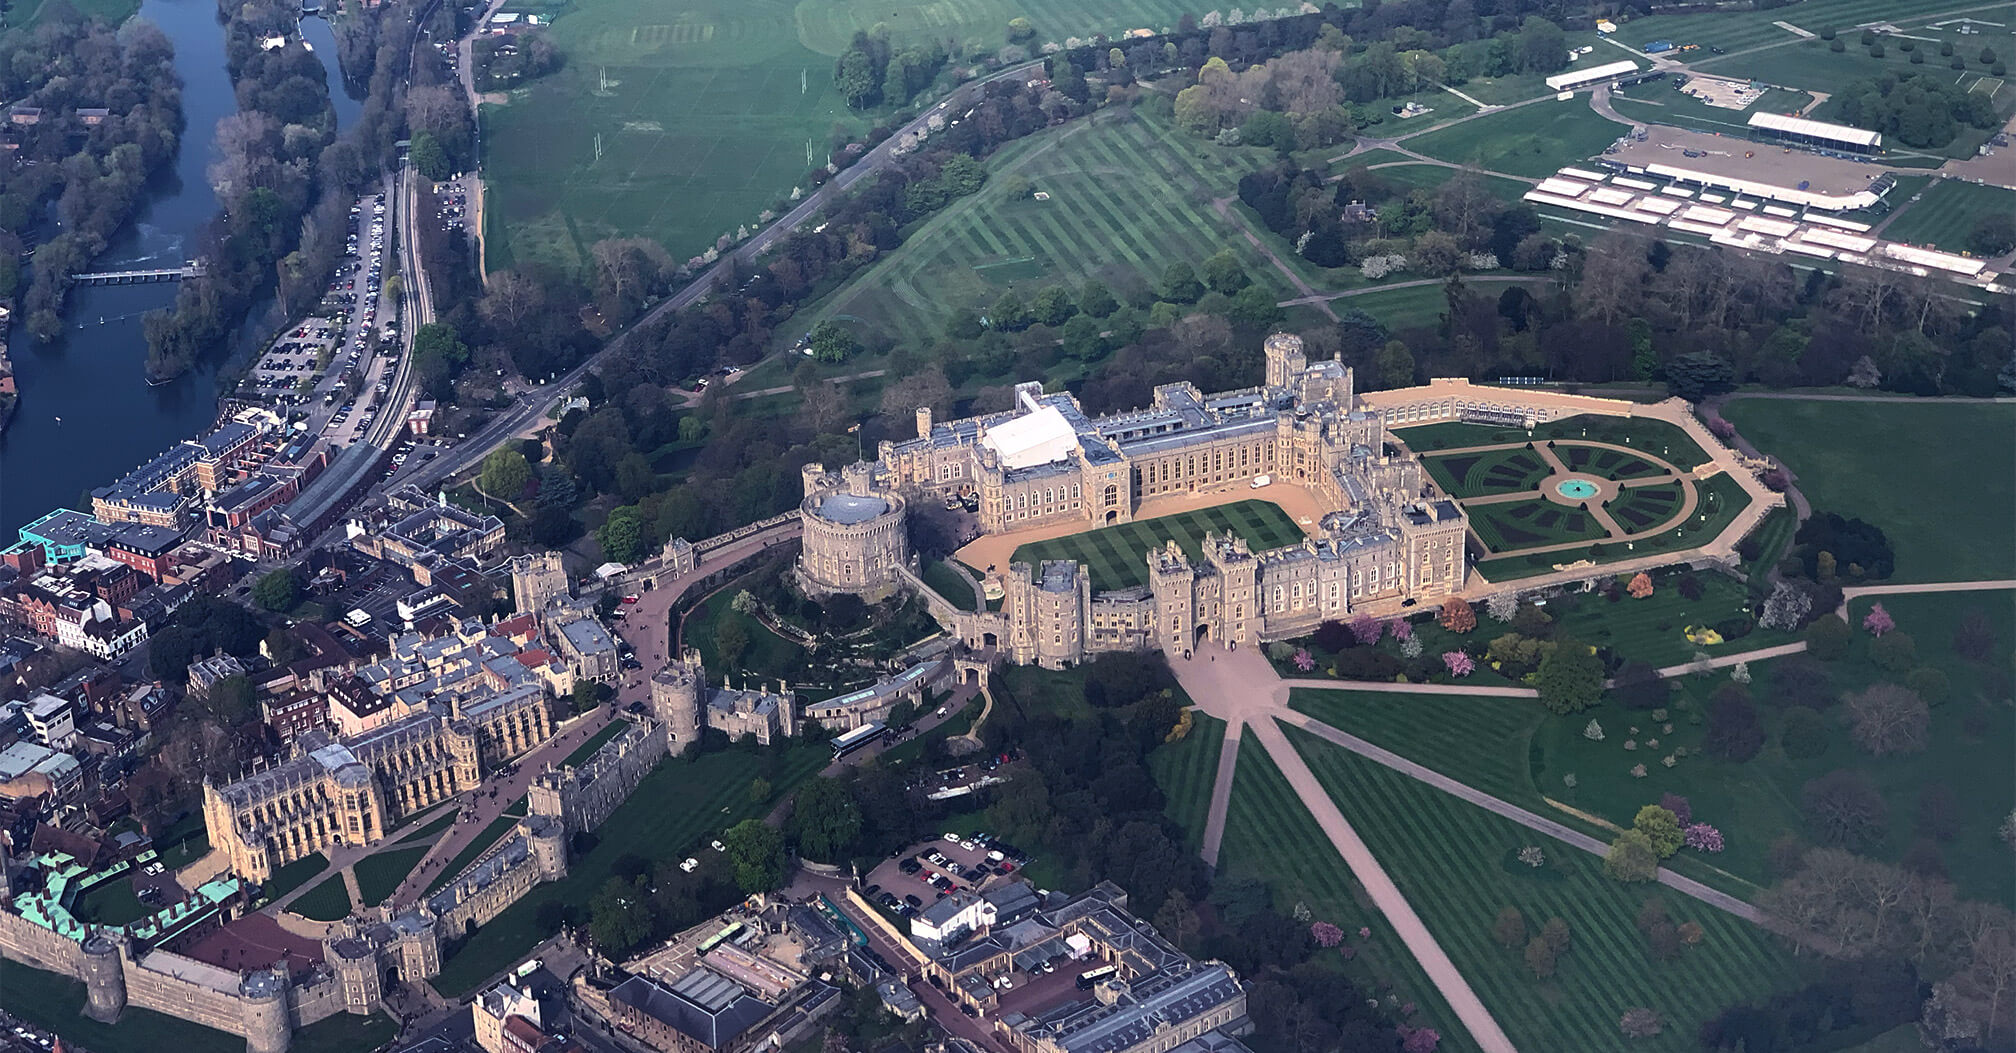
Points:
(65, 880)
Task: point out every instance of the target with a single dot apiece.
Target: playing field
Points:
(1938, 476)
(1739, 30)
(1127, 196)
(1457, 866)
(1530, 141)
(706, 112)
(1118, 554)
(1946, 213)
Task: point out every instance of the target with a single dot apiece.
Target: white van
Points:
(1262, 480)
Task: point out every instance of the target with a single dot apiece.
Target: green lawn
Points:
(1185, 771)
(328, 901)
(711, 112)
(1455, 864)
(1609, 463)
(1529, 141)
(295, 874)
(1938, 476)
(1943, 217)
(1722, 499)
(1414, 307)
(1736, 30)
(112, 903)
(1489, 472)
(183, 843)
(596, 742)
(948, 580)
(56, 1003)
(768, 654)
(378, 875)
(1270, 836)
(1658, 103)
(680, 804)
(1643, 433)
(1128, 195)
(1512, 525)
(1118, 554)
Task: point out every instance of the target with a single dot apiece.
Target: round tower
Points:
(104, 978)
(675, 698)
(548, 839)
(262, 998)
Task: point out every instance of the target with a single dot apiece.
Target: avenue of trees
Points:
(92, 173)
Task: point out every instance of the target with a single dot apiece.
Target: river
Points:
(87, 414)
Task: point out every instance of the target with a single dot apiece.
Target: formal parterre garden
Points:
(1117, 555)
(1458, 866)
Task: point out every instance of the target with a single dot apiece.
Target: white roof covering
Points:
(1039, 436)
(1811, 199)
(1590, 75)
(1945, 261)
(1778, 122)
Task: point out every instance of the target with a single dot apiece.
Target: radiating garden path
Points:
(1242, 689)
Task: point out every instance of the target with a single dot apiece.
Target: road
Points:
(531, 407)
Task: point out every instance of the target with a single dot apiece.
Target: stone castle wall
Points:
(582, 798)
(508, 888)
(150, 988)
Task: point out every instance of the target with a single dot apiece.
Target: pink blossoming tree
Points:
(1326, 934)
(1879, 621)
(1459, 663)
(1367, 630)
(1304, 661)
(1702, 838)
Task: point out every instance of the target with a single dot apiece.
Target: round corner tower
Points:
(263, 998)
(104, 978)
(547, 836)
(1285, 358)
(676, 691)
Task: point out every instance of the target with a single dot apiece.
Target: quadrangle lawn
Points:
(379, 874)
(1530, 141)
(1454, 863)
(1117, 555)
(328, 901)
(1938, 476)
(1947, 212)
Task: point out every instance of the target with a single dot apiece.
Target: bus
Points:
(858, 738)
(721, 937)
(1091, 978)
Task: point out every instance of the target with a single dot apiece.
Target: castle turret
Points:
(548, 839)
(675, 698)
(262, 998)
(923, 422)
(1285, 358)
(104, 978)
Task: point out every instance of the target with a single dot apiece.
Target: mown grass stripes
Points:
(1271, 837)
(1453, 862)
(1186, 771)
